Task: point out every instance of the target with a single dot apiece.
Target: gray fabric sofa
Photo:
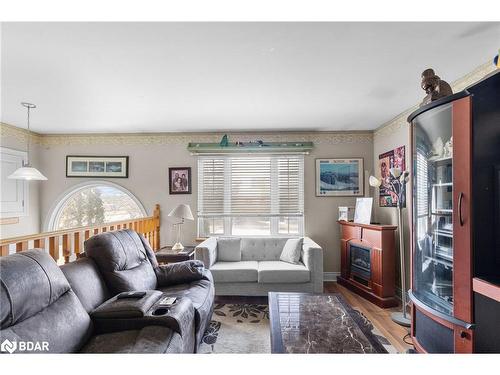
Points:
(260, 270)
(74, 307)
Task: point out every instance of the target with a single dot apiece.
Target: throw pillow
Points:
(228, 250)
(292, 250)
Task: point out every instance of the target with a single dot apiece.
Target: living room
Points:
(250, 187)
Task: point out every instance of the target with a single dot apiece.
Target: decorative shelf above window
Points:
(251, 147)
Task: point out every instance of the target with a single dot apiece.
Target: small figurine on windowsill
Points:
(434, 86)
(224, 142)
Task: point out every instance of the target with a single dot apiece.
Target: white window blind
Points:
(250, 195)
(422, 185)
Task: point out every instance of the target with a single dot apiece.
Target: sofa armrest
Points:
(179, 273)
(207, 252)
(180, 317)
(312, 257)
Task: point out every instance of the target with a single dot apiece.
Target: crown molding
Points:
(392, 126)
(341, 137)
(19, 134)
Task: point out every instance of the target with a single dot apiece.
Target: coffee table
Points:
(318, 323)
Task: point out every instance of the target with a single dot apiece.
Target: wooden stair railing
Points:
(67, 245)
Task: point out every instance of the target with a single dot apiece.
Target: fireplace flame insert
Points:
(360, 261)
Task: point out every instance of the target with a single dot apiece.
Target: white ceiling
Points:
(166, 77)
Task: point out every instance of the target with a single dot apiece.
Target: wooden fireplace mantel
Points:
(379, 286)
(368, 226)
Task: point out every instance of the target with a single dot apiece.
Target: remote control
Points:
(167, 301)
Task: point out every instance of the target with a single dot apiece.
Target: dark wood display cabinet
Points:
(455, 221)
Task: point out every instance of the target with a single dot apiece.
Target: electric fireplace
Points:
(367, 261)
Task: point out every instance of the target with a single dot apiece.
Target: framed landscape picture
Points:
(97, 166)
(339, 177)
(179, 180)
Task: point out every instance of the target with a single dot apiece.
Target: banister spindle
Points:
(39, 243)
(66, 247)
(21, 246)
(4, 250)
(76, 244)
(54, 247)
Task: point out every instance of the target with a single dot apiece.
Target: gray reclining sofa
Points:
(74, 308)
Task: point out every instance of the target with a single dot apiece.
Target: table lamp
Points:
(182, 211)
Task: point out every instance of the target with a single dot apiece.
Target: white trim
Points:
(21, 157)
(330, 276)
(61, 200)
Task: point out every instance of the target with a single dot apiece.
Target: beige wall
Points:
(152, 155)
(30, 223)
(384, 140)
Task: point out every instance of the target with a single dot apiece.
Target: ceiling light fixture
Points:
(27, 172)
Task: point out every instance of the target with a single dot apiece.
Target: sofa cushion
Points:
(31, 281)
(228, 250)
(125, 261)
(37, 303)
(282, 272)
(87, 282)
(151, 339)
(235, 272)
(292, 250)
(262, 248)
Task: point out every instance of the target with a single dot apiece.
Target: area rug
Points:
(367, 325)
(244, 328)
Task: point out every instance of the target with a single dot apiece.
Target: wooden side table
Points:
(167, 255)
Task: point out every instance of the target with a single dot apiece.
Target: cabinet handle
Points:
(460, 198)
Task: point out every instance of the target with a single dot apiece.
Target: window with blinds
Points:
(251, 195)
(422, 197)
(422, 186)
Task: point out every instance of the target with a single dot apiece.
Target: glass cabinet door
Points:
(433, 208)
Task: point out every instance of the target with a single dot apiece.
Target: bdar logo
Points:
(8, 346)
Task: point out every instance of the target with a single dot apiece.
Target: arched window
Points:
(95, 203)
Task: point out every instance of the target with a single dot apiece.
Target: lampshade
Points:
(27, 173)
(396, 172)
(374, 181)
(182, 211)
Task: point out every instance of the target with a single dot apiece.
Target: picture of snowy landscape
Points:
(339, 177)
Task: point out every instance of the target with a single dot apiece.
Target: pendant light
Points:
(27, 172)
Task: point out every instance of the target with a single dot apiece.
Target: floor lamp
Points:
(397, 186)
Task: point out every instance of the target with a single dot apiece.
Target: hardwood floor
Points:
(380, 318)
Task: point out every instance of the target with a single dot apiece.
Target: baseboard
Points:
(330, 276)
